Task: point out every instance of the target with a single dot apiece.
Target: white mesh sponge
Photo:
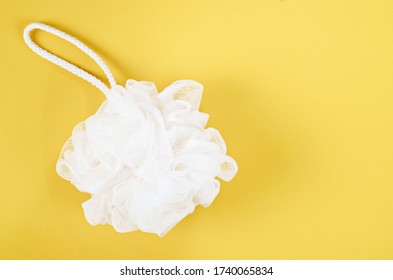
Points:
(145, 157)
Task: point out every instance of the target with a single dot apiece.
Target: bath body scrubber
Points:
(145, 157)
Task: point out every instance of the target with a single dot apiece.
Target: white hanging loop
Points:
(65, 64)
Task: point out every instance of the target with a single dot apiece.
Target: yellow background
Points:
(302, 91)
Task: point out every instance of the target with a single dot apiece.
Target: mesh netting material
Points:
(146, 158)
